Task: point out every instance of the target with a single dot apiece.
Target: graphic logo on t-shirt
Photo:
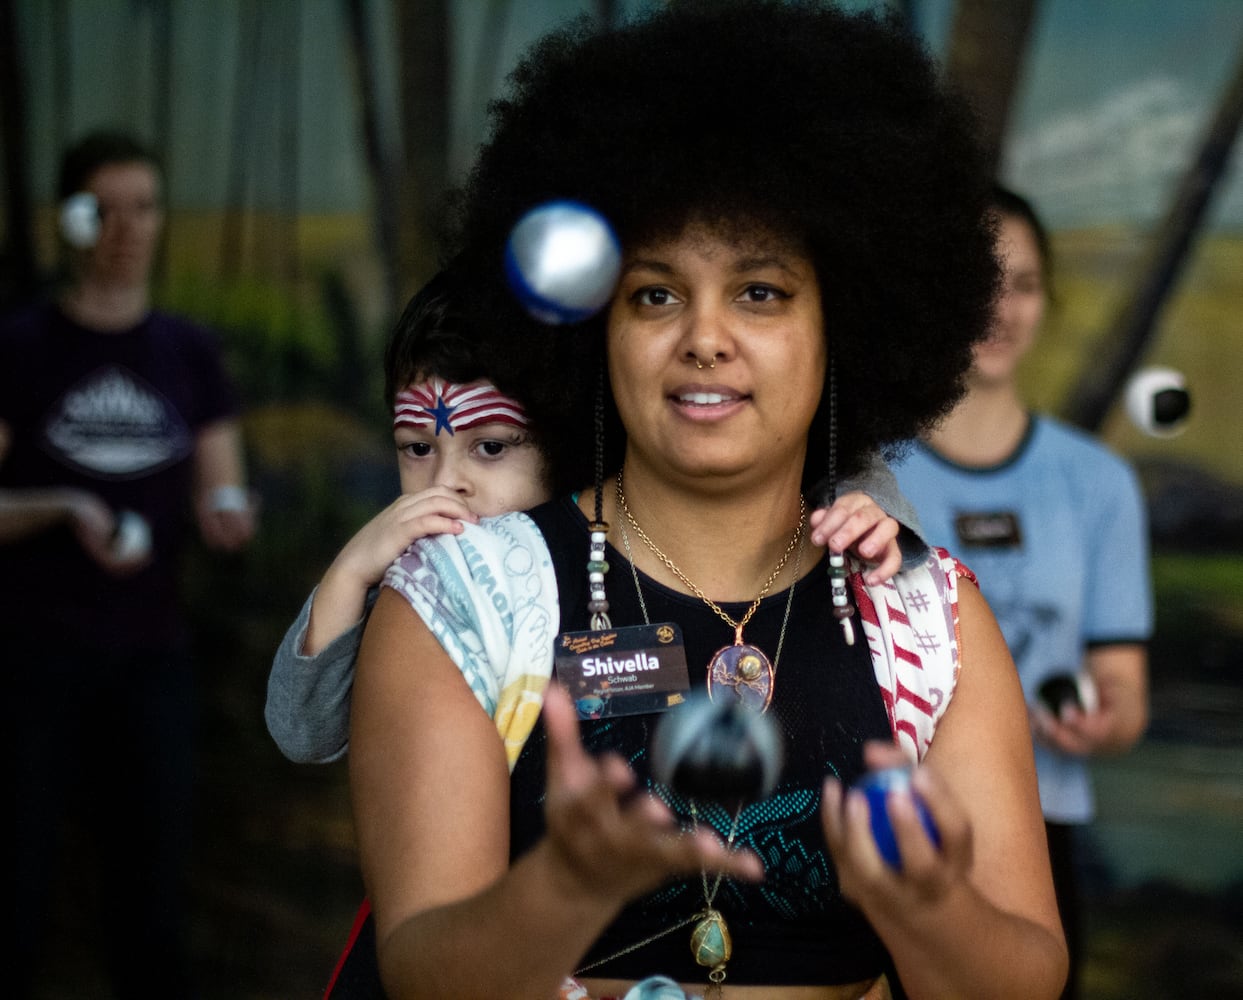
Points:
(114, 424)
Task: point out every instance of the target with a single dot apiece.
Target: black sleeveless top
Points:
(794, 928)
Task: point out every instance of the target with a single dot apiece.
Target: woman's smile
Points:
(708, 402)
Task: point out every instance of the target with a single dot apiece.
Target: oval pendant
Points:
(710, 941)
(746, 670)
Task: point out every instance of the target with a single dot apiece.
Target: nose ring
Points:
(699, 364)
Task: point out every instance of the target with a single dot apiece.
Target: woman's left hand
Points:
(929, 873)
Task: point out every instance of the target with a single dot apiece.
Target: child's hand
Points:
(341, 596)
(434, 511)
(857, 523)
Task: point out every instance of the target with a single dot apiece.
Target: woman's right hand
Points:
(609, 838)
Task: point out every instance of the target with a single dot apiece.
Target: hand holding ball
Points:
(1067, 689)
(876, 786)
(1157, 401)
(562, 262)
(131, 541)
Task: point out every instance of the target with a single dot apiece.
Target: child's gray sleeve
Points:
(308, 706)
(878, 481)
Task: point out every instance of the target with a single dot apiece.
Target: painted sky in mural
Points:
(1114, 98)
(1117, 96)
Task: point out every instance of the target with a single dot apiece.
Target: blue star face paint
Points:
(452, 407)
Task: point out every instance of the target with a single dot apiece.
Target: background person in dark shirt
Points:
(116, 421)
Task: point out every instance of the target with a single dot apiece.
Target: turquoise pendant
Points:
(710, 941)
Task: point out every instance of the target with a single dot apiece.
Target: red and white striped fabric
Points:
(452, 406)
(911, 626)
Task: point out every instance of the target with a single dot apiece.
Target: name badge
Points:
(997, 529)
(634, 670)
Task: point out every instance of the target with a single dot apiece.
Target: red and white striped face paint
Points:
(450, 406)
(485, 462)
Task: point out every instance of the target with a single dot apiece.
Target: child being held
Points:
(466, 451)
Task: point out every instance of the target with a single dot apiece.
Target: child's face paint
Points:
(450, 407)
(470, 439)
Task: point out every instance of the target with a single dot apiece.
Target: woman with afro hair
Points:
(807, 262)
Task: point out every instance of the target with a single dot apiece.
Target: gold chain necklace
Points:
(741, 666)
(711, 943)
(747, 670)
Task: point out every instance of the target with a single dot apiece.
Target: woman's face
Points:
(717, 355)
(131, 217)
(1020, 305)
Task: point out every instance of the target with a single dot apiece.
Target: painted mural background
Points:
(277, 228)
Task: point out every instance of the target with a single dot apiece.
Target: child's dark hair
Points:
(431, 337)
(438, 335)
(100, 149)
(833, 129)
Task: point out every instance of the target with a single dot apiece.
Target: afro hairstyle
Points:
(826, 127)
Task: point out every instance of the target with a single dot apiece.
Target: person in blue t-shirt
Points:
(1053, 523)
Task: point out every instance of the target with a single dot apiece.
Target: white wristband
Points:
(228, 498)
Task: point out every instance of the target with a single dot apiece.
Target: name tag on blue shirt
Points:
(994, 529)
